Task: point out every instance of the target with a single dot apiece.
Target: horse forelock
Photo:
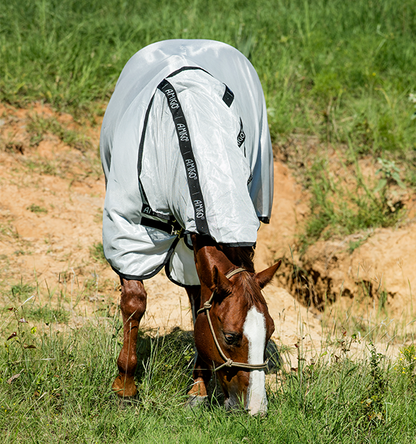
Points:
(243, 257)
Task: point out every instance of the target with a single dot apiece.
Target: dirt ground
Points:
(51, 200)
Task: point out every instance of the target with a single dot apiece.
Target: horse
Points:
(187, 157)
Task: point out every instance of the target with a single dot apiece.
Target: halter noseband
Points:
(228, 361)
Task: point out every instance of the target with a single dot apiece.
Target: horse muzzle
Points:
(252, 398)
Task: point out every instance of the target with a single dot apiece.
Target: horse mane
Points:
(240, 256)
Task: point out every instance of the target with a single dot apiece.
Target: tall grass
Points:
(58, 390)
(56, 374)
(346, 65)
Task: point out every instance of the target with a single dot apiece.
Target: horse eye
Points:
(230, 338)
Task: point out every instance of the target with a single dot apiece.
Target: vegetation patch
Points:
(57, 386)
(47, 314)
(39, 126)
(97, 252)
(37, 209)
(345, 202)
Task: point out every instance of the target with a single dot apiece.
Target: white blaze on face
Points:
(255, 331)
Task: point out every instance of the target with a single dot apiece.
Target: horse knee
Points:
(133, 299)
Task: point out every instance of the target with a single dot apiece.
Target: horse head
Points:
(232, 330)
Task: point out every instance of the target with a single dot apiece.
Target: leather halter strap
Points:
(228, 361)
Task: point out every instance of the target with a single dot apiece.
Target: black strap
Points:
(171, 227)
(185, 147)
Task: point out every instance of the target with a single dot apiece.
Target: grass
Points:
(97, 252)
(55, 387)
(314, 75)
(342, 204)
(349, 86)
(37, 209)
(58, 360)
(39, 126)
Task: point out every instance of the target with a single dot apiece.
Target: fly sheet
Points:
(185, 148)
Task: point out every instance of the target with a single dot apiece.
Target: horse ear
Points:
(221, 283)
(265, 276)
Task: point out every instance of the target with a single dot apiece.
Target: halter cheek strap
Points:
(228, 361)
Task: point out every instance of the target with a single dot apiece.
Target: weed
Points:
(374, 396)
(339, 208)
(97, 252)
(407, 361)
(383, 295)
(48, 315)
(38, 126)
(98, 216)
(21, 252)
(42, 167)
(37, 209)
(354, 244)
(390, 174)
(8, 229)
(22, 291)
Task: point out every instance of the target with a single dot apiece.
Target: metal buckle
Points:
(175, 230)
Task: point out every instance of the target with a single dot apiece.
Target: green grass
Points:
(37, 209)
(56, 388)
(57, 367)
(38, 126)
(314, 74)
(97, 252)
(342, 204)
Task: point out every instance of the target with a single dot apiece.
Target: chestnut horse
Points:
(232, 326)
(187, 156)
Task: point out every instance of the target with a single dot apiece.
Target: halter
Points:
(228, 361)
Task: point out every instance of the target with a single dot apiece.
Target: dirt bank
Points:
(52, 193)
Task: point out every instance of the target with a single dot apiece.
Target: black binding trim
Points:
(185, 147)
(187, 68)
(228, 97)
(240, 244)
(130, 277)
(169, 276)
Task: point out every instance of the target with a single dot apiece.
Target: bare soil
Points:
(51, 200)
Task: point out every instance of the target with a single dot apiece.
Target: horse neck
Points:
(209, 253)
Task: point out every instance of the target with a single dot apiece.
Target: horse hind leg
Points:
(198, 393)
(133, 306)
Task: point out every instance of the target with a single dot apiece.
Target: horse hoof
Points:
(196, 401)
(124, 387)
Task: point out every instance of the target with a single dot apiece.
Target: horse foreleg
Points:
(133, 306)
(201, 374)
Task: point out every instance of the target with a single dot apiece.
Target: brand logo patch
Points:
(241, 137)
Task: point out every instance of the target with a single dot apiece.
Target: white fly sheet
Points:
(185, 148)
